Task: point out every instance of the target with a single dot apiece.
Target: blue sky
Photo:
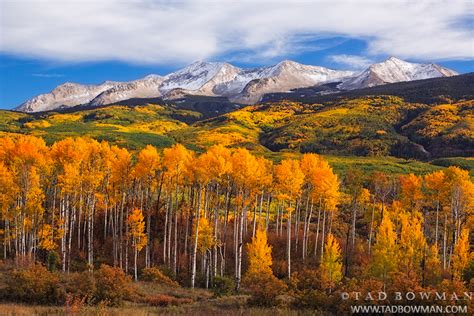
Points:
(45, 43)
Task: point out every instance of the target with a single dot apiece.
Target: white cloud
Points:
(151, 31)
(351, 61)
(40, 75)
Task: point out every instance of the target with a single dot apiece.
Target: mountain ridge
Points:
(239, 85)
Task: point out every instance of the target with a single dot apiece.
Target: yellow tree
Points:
(136, 231)
(178, 167)
(331, 265)
(432, 266)
(385, 250)
(461, 255)
(7, 198)
(289, 180)
(461, 203)
(67, 155)
(205, 242)
(436, 193)
(259, 278)
(245, 175)
(259, 254)
(214, 168)
(324, 190)
(412, 245)
(206, 238)
(146, 171)
(46, 238)
(411, 195)
(27, 158)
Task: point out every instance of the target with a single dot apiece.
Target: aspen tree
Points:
(136, 231)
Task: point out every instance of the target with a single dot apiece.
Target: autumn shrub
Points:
(154, 274)
(81, 287)
(263, 288)
(222, 286)
(309, 287)
(34, 284)
(159, 300)
(112, 285)
(166, 300)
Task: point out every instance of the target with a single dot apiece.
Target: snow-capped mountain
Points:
(285, 76)
(66, 95)
(147, 87)
(245, 86)
(395, 70)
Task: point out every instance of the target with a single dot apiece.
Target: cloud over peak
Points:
(159, 32)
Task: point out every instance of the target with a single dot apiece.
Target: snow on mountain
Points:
(66, 95)
(395, 70)
(285, 76)
(147, 87)
(245, 86)
(196, 75)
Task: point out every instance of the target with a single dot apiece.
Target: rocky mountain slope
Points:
(395, 70)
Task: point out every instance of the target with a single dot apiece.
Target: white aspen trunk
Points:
(445, 239)
(239, 250)
(267, 219)
(255, 216)
(305, 227)
(135, 260)
(323, 233)
(317, 230)
(196, 239)
(354, 215)
(288, 249)
(165, 232)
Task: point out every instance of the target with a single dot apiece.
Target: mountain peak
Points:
(288, 62)
(395, 70)
(395, 59)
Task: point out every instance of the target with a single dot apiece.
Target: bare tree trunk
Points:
(196, 238)
(135, 260)
(354, 215)
(323, 234)
(317, 230)
(445, 239)
(288, 249)
(239, 248)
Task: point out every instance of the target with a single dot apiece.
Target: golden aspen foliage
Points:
(412, 245)
(461, 254)
(206, 239)
(364, 196)
(331, 266)
(289, 179)
(385, 249)
(410, 192)
(435, 184)
(245, 169)
(259, 279)
(46, 240)
(432, 271)
(259, 253)
(323, 181)
(136, 225)
(148, 162)
(176, 163)
(217, 162)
